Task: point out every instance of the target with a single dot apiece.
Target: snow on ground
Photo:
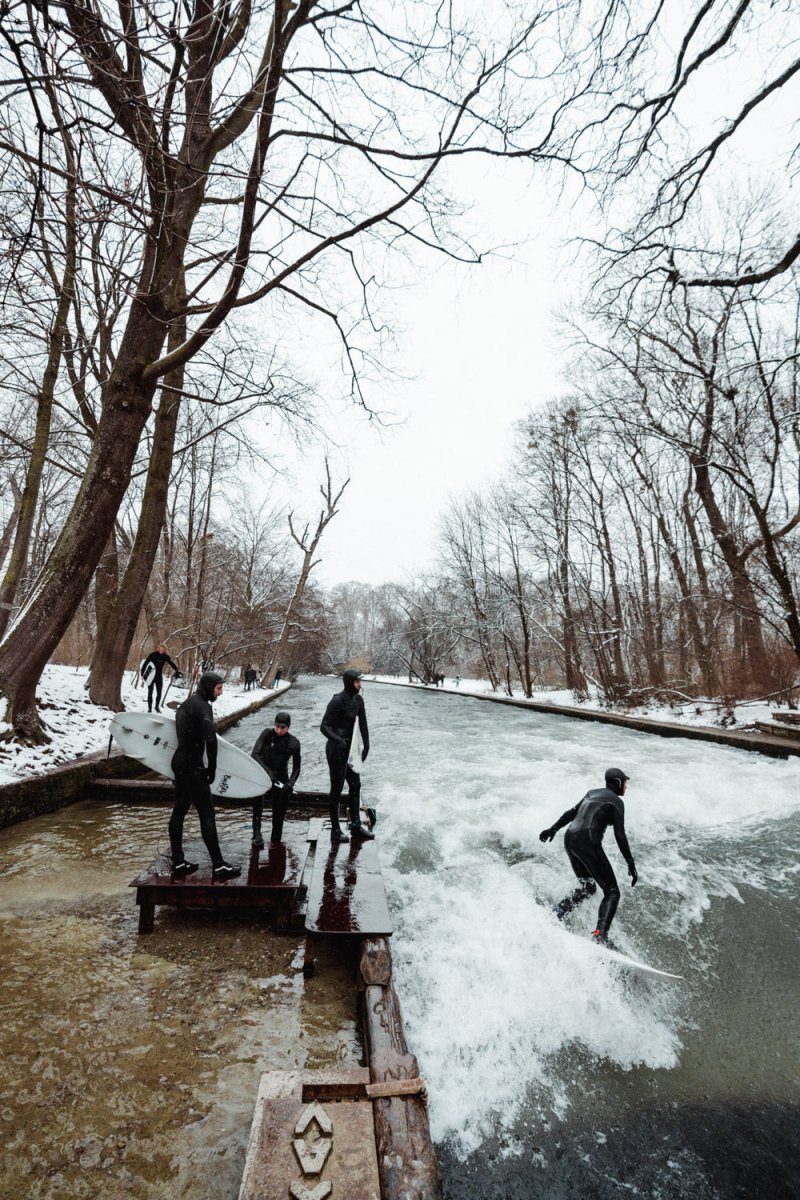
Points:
(686, 712)
(77, 727)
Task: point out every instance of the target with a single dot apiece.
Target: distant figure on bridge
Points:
(345, 711)
(152, 672)
(194, 725)
(583, 843)
(272, 750)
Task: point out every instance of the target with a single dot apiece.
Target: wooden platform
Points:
(346, 895)
(312, 1136)
(268, 876)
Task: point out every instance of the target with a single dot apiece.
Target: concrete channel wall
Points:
(65, 784)
(759, 743)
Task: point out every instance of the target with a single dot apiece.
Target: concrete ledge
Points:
(65, 784)
(759, 743)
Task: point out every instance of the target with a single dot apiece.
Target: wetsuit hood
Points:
(349, 678)
(282, 718)
(208, 681)
(615, 778)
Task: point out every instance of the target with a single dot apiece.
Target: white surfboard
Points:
(630, 964)
(153, 740)
(148, 673)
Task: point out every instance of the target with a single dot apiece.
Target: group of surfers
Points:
(278, 752)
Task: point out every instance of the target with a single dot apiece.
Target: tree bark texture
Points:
(406, 1160)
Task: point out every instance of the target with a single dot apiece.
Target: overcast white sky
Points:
(478, 346)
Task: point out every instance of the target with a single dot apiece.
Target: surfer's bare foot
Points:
(226, 871)
(184, 868)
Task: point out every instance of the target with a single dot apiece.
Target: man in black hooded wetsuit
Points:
(159, 658)
(583, 843)
(194, 723)
(272, 751)
(340, 718)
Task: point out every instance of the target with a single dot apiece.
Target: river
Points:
(131, 1064)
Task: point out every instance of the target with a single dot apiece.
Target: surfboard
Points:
(148, 672)
(356, 746)
(630, 964)
(153, 740)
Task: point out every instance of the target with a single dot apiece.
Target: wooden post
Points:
(406, 1160)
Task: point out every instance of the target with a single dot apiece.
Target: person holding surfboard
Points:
(194, 726)
(583, 843)
(345, 727)
(273, 749)
(152, 672)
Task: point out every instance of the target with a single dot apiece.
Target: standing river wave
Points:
(131, 1064)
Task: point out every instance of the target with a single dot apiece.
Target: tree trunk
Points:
(115, 636)
(68, 572)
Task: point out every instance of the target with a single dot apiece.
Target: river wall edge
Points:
(38, 794)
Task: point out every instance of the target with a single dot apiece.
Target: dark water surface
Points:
(130, 1065)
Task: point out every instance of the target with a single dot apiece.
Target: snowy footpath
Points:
(77, 727)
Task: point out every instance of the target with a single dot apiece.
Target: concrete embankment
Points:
(760, 743)
(65, 784)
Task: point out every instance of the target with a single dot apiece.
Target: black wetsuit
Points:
(159, 661)
(194, 722)
(273, 753)
(340, 718)
(583, 843)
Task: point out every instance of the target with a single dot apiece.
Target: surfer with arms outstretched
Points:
(583, 843)
(194, 725)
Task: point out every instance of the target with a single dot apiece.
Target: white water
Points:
(500, 1001)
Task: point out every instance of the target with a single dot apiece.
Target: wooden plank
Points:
(312, 1137)
(406, 1159)
(788, 731)
(268, 876)
(346, 895)
(787, 718)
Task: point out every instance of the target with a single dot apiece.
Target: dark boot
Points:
(258, 840)
(357, 830)
(605, 916)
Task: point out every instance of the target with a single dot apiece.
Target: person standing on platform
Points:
(583, 843)
(194, 724)
(155, 681)
(277, 678)
(345, 709)
(272, 751)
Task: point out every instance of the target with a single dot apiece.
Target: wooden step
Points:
(774, 729)
(346, 894)
(787, 718)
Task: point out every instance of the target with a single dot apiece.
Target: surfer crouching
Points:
(272, 751)
(583, 843)
(194, 724)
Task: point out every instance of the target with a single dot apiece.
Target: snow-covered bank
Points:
(78, 727)
(695, 712)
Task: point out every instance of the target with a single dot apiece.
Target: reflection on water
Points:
(130, 1064)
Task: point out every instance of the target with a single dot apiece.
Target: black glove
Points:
(288, 787)
(364, 753)
(340, 744)
(211, 774)
(634, 874)
(547, 835)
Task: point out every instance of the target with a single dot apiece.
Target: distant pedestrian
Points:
(152, 672)
(458, 681)
(338, 724)
(194, 725)
(583, 843)
(273, 750)
(277, 678)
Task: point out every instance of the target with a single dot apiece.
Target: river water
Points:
(130, 1065)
